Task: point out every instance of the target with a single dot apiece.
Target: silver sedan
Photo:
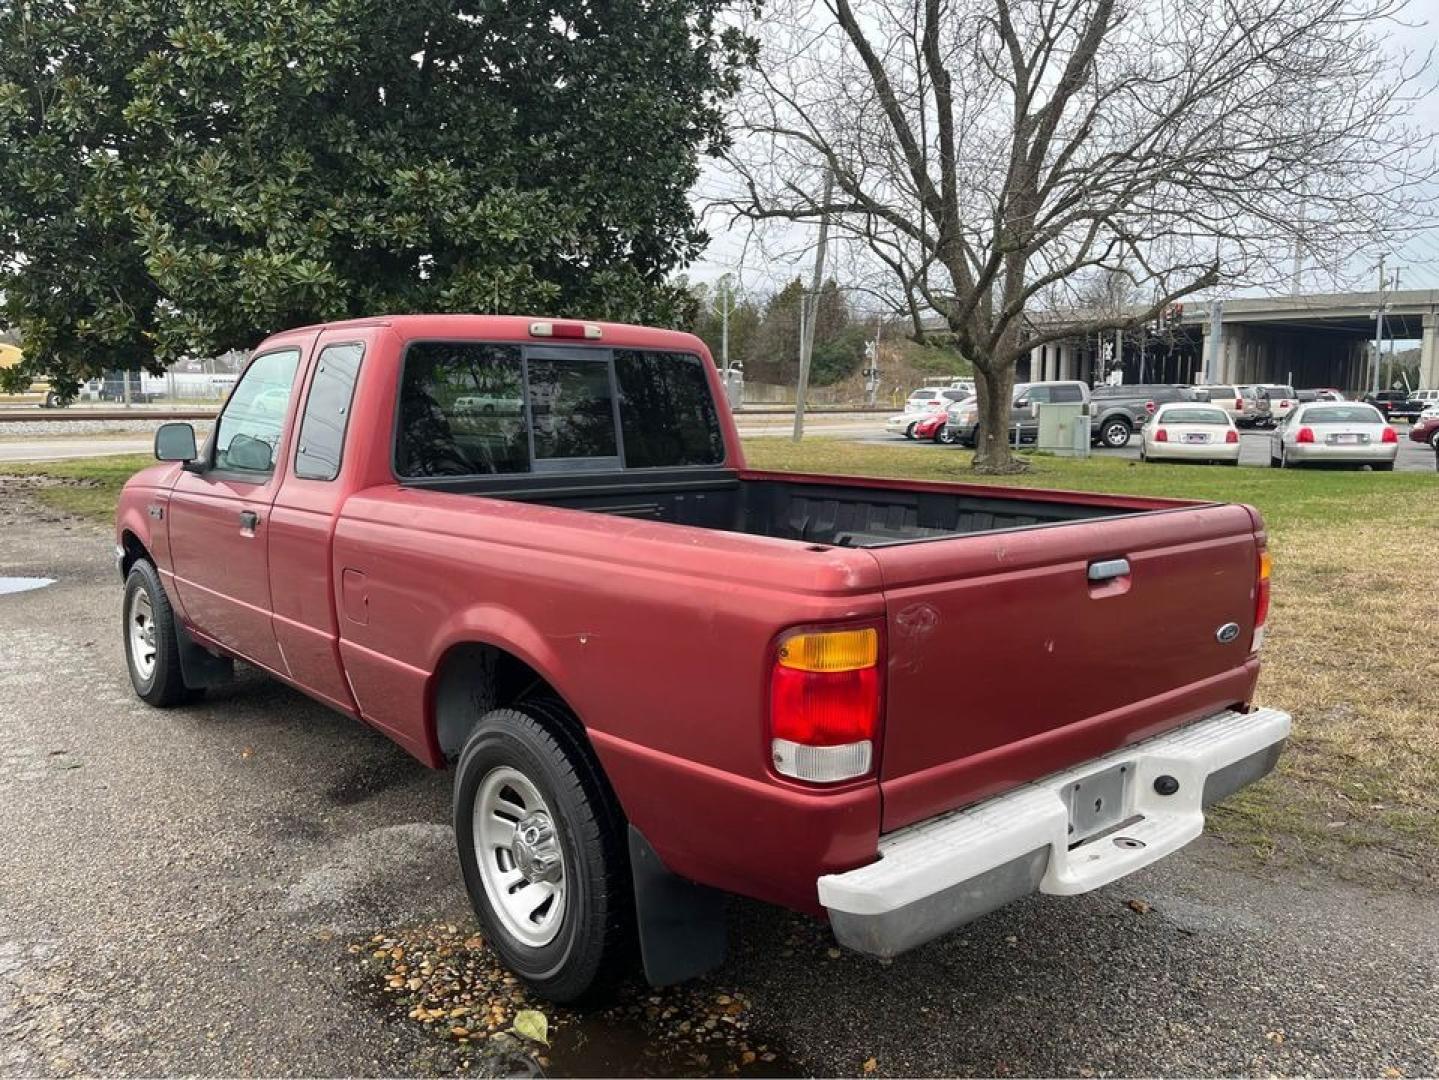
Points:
(1349, 432)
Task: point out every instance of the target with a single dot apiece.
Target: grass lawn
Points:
(1350, 649)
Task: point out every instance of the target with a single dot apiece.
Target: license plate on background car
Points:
(1346, 440)
(1097, 802)
(1196, 437)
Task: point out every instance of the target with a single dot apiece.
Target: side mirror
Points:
(1021, 403)
(175, 442)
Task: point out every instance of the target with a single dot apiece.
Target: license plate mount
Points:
(1097, 802)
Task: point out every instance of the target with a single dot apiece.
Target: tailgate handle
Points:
(1108, 569)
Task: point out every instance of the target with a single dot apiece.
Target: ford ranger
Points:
(530, 550)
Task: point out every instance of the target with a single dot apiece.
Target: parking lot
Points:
(1253, 452)
(183, 892)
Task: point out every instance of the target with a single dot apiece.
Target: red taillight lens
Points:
(1390, 435)
(1160, 435)
(575, 330)
(1231, 436)
(1239, 404)
(1306, 434)
(1261, 598)
(1149, 406)
(825, 704)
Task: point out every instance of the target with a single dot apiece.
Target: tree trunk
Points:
(992, 451)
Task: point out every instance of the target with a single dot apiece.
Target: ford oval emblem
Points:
(1227, 633)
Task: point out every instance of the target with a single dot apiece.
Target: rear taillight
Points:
(824, 704)
(1239, 404)
(1160, 435)
(1390, 435)
(1231, 436)
(1306, 434)
(1261, 599)
(1149, 407)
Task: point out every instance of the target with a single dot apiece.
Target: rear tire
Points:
(526, 763)
(152, 645)
(1115, 434)
(945, 437)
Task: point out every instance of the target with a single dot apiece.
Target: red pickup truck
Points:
(530, 550)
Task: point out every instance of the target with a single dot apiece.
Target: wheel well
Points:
(476, 677)
(134, 551)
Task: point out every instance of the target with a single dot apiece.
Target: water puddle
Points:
(23, 584)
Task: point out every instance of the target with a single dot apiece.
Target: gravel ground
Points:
(76, 428)
(201, 892)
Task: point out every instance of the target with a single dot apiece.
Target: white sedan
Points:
(1350, 433)
(1190, 431)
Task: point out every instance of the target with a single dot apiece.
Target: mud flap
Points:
(681, 924)
(199, 667)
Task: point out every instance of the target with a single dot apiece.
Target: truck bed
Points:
(840, 511)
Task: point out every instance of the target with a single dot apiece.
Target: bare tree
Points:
(990, 155)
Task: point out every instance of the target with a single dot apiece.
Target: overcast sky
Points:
(1416, 253)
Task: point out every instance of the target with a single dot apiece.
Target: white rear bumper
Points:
(944, 872)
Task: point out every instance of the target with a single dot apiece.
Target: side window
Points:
(572, 410)
(1040, 394)
(247, 434)
(327, 412)
(667, 413)
(462, 411)
(1067, 393)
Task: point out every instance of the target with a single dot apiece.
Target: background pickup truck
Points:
(1117, 412)
(660, 675)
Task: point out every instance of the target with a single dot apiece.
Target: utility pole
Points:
(1379, 323)
(806, 344)
(1395, 288)
(1214, 355)
(724, 324)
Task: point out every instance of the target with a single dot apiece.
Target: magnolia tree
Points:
(992, 158)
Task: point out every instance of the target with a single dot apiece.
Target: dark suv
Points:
(1119, 411)
(1396, 404)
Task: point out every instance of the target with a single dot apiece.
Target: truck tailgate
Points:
(1007, 661)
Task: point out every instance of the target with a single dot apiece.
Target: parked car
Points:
(660, 675)
(1349, 432)
(1426, 429)
(1275, 403)
(1119, 411)
(904, 423)
(963, 425)
(935, 426)
(930, 398)
(1190, 431)
(1228, 398)
(1395, 404)
(1428, 399)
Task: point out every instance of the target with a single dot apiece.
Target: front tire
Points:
(1115, 434)
(909, 431)
(152, 645)
(542, 848)
(945, 437)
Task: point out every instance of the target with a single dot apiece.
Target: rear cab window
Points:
(470, 409)
(327, 412)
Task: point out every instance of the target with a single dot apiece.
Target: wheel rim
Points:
(1116, 435)
(522, 863)
(140, 620)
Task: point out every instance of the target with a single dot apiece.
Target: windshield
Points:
(1343, 414)
(1194, 416)
(1279, 391)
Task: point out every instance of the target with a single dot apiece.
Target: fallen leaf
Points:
(533, 1025)
(247, 752)
(1276, 1037)
(870, 1064)
(747, 1058)
(833, 954)
(1140, 906)
(1392, 1073)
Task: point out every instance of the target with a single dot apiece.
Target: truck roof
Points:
(517, 328)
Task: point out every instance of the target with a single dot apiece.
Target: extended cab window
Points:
(327, 412)
(462, 411)
(1067, 392)
(248, 432)
(667, 414)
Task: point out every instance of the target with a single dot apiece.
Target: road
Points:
(181, 890)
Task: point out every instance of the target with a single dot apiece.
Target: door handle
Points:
(249, 522)
(1108, 569)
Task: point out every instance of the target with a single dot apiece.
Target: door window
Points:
(247, 436)
(1067, 393)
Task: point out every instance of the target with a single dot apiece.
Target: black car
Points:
(1117, 412)
(1396, 404)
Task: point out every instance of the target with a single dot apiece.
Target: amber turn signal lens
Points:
(830, 650)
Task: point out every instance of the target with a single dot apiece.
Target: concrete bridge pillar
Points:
(1051, 361)
(1066, 361)
(1429, 353)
